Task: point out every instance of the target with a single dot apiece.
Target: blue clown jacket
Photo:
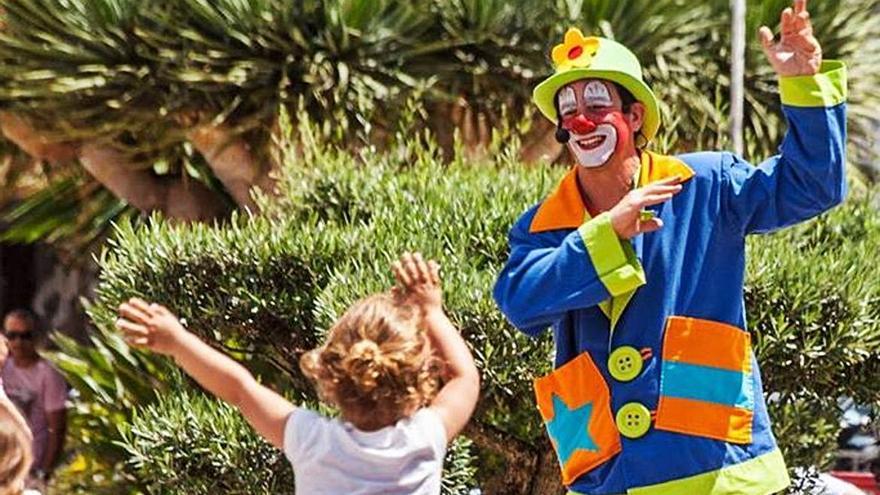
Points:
(656, 388)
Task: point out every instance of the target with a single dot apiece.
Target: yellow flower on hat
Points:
(575, 50)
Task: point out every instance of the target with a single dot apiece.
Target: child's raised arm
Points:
(153, 327)
(420, 285)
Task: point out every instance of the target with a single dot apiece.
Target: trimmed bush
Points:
(187, 443)
(813, 302)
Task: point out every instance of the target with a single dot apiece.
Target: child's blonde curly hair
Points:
(376, 365)
(15, 452)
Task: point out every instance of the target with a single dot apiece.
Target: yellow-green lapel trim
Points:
(565, 209)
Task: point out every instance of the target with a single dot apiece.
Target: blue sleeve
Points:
(808, 176)
(542, 280)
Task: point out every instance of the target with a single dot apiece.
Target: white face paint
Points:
(567, 101)
(596, 94)
(594, 149)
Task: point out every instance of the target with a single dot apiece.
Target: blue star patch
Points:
(569, 429)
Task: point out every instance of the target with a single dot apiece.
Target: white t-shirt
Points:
(332, 457)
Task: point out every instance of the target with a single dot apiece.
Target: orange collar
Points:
(565, 209)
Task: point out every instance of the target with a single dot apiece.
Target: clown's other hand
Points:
(149, 326)
(626, 215)
(797, 53)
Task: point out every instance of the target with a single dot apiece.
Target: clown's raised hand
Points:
(797, 53)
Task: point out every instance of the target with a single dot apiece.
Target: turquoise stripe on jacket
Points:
(693, 381)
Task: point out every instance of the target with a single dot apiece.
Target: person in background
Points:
(38, 391)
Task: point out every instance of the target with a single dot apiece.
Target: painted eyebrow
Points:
(591, 102)
(567, 99)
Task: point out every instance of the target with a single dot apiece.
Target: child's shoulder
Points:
(428, 423)
(304, 421)
(302, 429)
(427, 416)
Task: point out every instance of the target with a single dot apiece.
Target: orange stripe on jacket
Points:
(707, 419)
(707, 343)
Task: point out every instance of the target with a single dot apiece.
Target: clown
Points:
(637, 262)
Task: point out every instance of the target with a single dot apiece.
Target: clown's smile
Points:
(591, 142)
(596, 148)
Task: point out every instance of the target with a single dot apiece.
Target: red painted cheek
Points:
(624, 130)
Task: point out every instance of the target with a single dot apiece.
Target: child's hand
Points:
(150, 326)
(418, 282)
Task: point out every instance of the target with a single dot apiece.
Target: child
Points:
(377, 366)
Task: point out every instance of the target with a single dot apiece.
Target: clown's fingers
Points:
(654, 199)
(805, 39)
(651, 225)
(675, 179)
(787, 23)
(802, 24)
(807, 43)
(766, 37)
(666, 185)
(659, 189)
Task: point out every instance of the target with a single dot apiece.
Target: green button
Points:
(625, 363)
(633, 420)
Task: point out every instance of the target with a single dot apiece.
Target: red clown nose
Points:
(579, 124)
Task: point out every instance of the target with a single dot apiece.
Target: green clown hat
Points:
(579, 57)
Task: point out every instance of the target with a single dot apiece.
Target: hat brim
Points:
(545, 94)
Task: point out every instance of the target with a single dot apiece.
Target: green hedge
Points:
(187, 443)
(268, 287)
(813, 302)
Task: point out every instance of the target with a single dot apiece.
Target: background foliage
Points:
(138, 74)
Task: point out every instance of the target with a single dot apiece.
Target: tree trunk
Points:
(540, 144)
(528, 470)
(519, 459)
(19, 176)
(547, 479)
(473, 128)
(20, 132)
(173, 196)
(232, 161)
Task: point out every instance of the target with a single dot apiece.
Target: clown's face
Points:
(592, 113)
